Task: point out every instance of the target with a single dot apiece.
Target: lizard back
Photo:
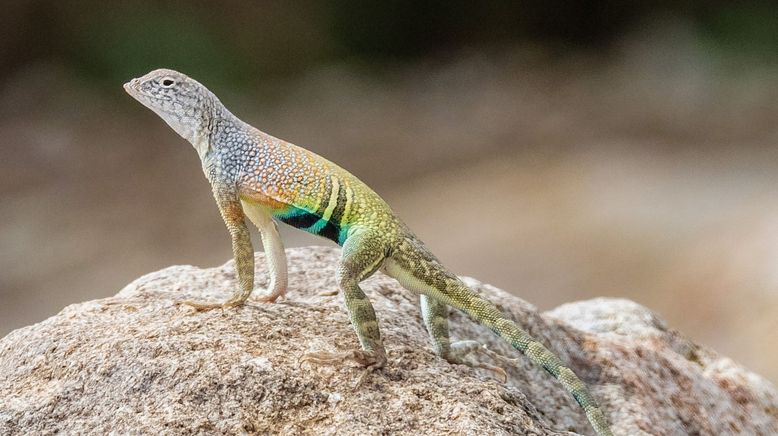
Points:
(307, 191)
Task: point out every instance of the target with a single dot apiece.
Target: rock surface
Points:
(138, 363)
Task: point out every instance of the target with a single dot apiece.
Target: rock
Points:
(138, 363)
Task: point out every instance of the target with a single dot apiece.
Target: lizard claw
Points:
(370, 361)
(367, 359)
(325, 358)
(461, 349)
(200, 307)
(498, 372)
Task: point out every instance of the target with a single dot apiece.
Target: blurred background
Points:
(558, 150)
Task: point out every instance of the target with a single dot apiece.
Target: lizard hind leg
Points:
(435, 315)
(362, 256)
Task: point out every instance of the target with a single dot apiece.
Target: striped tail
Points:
(419, 270)
(542, 356)
(483, 311)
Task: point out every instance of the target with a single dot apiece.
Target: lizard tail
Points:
(537, 353)
(419, 270)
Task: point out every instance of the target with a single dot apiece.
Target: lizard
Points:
(265, 179)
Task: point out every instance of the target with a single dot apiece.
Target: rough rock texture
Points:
(139, 363)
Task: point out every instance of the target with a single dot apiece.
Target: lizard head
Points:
(184, 103)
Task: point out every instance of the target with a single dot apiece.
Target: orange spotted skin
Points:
(264, 179)
(307, 191)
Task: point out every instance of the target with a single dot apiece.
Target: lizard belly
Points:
(296, 217)
(311, 223)
(257, 214)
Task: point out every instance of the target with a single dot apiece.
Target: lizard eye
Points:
(167, 82)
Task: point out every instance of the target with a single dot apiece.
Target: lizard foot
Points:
(267, 298)
(461, 349)
(210, 306)
(369, 360)
(271, 294)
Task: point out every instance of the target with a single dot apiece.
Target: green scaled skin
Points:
(266, 179)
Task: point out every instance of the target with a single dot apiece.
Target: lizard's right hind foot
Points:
(369, 360)
(460, 350)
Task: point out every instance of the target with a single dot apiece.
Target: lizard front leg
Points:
(242, 250)
(274, 251)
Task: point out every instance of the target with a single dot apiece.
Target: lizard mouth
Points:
(132, 86)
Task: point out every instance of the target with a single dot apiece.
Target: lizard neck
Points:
(201, 144)
(218, 121)
(226, 131)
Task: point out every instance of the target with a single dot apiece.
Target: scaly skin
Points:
(266, 179)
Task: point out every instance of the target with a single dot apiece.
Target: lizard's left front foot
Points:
(232, 302)
(370, 360)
